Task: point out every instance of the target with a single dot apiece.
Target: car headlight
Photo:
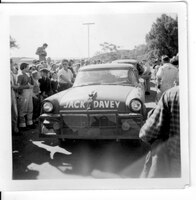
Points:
(135, 105)
(48, 107)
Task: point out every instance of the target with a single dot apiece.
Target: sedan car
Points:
(105, 102)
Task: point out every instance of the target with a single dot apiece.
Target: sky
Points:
(67, 37)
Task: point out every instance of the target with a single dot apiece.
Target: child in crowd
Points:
(54, 83)
(36, 95)
(45, 83)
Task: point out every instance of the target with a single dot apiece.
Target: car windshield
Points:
(106, 77)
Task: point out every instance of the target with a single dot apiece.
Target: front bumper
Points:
(91, 125)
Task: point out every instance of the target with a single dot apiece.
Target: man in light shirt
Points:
(167, 76)
(65, 76)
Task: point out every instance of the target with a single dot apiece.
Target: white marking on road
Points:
(51, 149)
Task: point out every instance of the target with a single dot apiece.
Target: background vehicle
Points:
(135, 63)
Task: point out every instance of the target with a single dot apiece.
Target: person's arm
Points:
(157, 125)
(38, 52)
(65, 78)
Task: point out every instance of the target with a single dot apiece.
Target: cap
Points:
(34, 72)
(44, 69)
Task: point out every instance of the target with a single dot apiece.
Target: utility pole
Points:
(88, 28)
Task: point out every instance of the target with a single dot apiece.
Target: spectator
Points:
(70, 67)
(15, 69)
(167, 76)
(140, 69)
(31, 69)
(45, 83)
(162, 132)
(54, 83)
(146, 75)
(36, 96)
(41, 52)
(54, 67)
(174, 61)
(49, 61)
(82, 62)
(38, 67)
(44, 64)
(156, 67)
(14, 108)
(77, 67)
(25, 103)
(65, 77)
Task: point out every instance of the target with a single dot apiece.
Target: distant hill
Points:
(18, 59)
(111, 56)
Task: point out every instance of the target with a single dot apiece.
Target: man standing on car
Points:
(41, 52)
(65, 76)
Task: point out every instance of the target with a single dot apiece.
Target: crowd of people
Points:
(31, 83)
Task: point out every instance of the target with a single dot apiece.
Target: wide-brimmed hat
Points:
(44, 69)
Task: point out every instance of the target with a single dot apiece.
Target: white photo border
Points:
(7, 10)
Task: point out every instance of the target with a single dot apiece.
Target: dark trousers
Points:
(36, 107)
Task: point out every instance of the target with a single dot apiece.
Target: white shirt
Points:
(168, 74)
(66, 74)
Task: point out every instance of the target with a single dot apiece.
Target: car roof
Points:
(133, 61)
(107, 66)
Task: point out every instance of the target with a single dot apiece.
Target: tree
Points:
(13, 43)
(163, 37)
(140, 52)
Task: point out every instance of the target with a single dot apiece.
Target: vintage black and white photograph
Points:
(96, 92)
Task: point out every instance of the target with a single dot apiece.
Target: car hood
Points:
(99, 97)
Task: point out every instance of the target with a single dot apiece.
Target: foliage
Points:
(13, 43)
(109, 47)
(110, 56)
(163, 37)
(140, 52)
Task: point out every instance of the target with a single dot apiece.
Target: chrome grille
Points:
(89, 120)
